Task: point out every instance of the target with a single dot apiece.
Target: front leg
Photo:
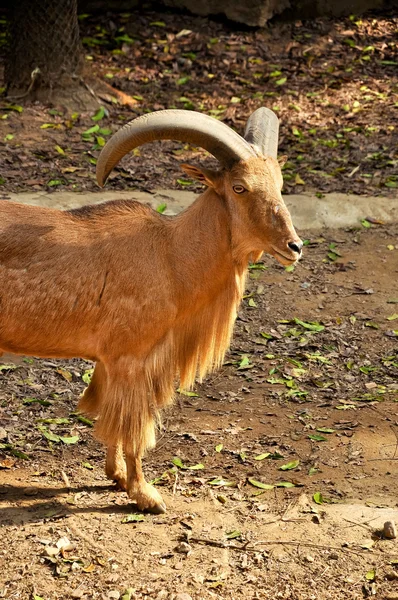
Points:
(142, 493)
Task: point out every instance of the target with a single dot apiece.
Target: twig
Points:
(175, 483)
(245, 548)
(34, 75)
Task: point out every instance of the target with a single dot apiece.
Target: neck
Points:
(210, 284)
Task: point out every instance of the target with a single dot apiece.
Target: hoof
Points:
(157, 509)
(148, 499)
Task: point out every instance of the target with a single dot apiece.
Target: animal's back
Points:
(61, 272)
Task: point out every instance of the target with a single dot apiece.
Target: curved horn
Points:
(183, 125)
(262, 131)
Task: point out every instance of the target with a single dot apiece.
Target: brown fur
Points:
(149, 298)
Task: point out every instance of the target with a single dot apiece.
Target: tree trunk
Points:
(45, 53)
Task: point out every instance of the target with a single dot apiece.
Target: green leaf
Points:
(281, 81)
(371, 575)
(317, 438)
(133, 518)
(259, 484)
(51, 437)
(244, 363)
(178, 463)
(183, 81)
(392, 317)
(8, 367)
(219, 447)
(232, 535)
(161, 208)
(87, 375)
(15, 107)
(220, 482)
(36, 401)
(184, 182)
(83, 420)
(187, 393)
(366, 224)
(54, 182)
(100, 114)
(87, 465)
(59, 149)
(325, 430)
(312, 471)
(93, 129)
(267, 336)
(69, 440)
(262, 456)
(285, 484)
(158, 24)
(289, 268)
(372, 325)
(318, 498)
(291, 465)
(8, 137)
(56, 421)
(128, 594)
(311, 326)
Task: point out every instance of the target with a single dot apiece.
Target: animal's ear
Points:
(205, 176)
(282, 160)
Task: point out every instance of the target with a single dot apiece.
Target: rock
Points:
(113, 595)
(183, 548)
(78, 593)
(183, 596)
(309, 558)
(32, 491)
(251, 12)
(389, 530)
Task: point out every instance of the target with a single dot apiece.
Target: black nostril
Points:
(295, 246)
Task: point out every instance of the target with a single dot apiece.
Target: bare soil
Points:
(333, 83)
(309, 408)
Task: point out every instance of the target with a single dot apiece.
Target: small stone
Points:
(77, 593)
(31, 491)
(183, 596)
(162, 595)
(51, 550)
(333, 556)
(183, 548)
(3, 433)
(309, 558)
(389, 530)
(113, 595)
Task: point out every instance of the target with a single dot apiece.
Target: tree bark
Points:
(45, 53)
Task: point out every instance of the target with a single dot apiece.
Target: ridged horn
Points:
(221, 141)
(262, 131)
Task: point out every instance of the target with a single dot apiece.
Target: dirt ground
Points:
(306, 406)
(333, 83)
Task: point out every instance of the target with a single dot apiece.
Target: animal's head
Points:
(250, 180)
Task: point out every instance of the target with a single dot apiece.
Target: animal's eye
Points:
(238, 189)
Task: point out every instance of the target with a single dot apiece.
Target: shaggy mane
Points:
(195, 347)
